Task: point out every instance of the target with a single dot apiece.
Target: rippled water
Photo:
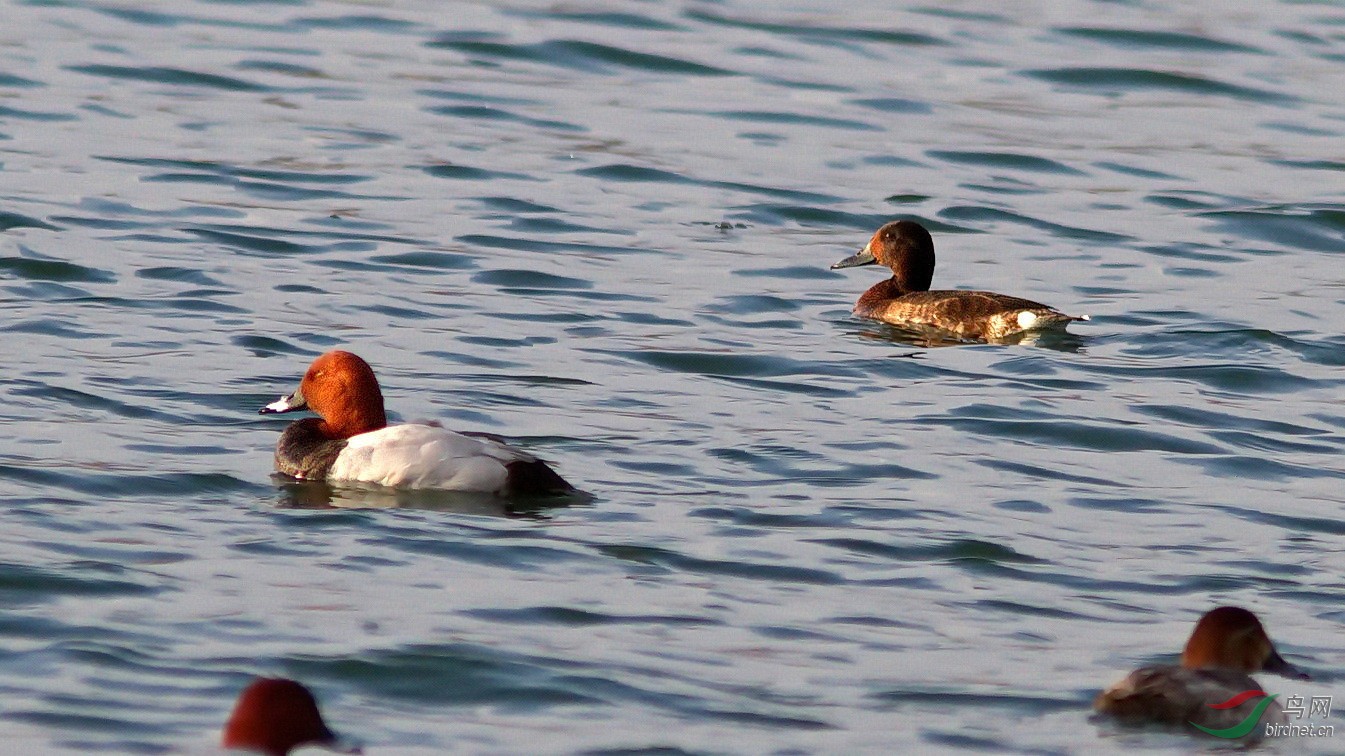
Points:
(603, 230)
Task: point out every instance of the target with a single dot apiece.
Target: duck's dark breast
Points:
(304, 452)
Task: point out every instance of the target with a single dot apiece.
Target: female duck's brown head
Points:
(905, 247)
(274, 716)
(1232, 638)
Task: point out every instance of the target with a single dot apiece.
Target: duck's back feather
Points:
(1180, 696)
(424, 455)
(966, 314)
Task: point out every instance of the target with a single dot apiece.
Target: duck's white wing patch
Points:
(1027, 319)
(425, 456)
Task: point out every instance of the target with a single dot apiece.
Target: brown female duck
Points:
(905, 299)
(1211, 689)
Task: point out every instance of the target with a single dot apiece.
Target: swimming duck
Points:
(1227, 644)
(905, 299)
(274, 716)
(351, 441)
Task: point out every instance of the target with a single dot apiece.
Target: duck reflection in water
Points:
(316, 494)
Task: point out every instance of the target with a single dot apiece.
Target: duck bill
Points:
(289, 403)
(863, 257)
(1279, 666)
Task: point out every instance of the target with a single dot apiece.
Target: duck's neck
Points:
(356, 419)
(883, 291)
(912, 274)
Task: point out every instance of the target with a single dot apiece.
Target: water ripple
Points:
(1118, 80)
(1165, 40)
(588, 57)
(166, 75)
(816, 31)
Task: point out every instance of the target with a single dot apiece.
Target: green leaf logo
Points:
(1241, 729)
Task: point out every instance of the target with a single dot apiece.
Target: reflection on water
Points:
(310, 494)
(932, 338)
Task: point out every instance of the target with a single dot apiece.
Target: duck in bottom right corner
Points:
(1212, 689)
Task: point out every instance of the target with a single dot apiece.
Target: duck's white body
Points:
(424, 455)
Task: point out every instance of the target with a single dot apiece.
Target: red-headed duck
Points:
(275, 715)
(352, 441)
(1204, 691)
(905, 299)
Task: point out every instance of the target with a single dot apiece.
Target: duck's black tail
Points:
(533, 477)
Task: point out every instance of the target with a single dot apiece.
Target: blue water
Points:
(603, 229)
